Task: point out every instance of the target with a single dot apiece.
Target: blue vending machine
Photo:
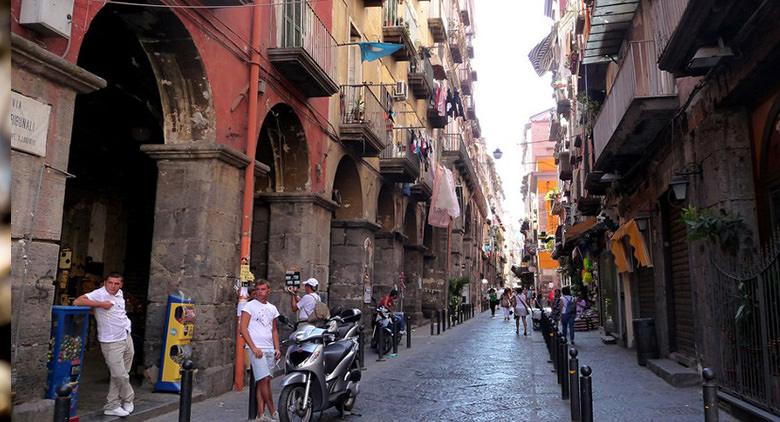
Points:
(69, 327)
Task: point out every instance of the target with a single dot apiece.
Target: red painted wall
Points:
(222, 38)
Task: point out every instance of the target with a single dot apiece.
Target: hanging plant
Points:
(725, 229)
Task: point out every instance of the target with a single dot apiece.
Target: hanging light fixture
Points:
(679, 186)
(497, 154)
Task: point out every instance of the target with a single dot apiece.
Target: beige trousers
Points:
(119, 359)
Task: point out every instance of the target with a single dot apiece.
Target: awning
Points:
(608, 25)
(541, 56)
(636, 241)
(571, 234)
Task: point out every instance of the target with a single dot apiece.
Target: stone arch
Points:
(347, 190)
(283, 147)
(385, 211)
(186, 109)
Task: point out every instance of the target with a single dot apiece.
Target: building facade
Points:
(178, 141)
(668, 127)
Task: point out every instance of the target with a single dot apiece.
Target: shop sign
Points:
(29, 121)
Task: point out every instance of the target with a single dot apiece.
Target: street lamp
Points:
(679, 187)
(497, 154)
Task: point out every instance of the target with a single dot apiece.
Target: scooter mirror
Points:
(283, 319)
(333, 327)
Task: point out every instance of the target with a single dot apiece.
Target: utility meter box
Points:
(50, 17)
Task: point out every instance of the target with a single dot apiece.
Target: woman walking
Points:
(521, 311)
(555, 314)
(506, 303)
(568, 314)
(493, 297)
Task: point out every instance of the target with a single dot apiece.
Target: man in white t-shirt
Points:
(113, 328)
(306, 304)
(259, 330)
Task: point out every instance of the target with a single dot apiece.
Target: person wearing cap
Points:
(305, 305)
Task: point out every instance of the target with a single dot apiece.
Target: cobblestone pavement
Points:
(482, 371)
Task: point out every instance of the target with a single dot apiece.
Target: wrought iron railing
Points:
(294, 24)
(400, 13)
(424, 67)
(401, 147)
(360, 104)
(744, 300)
(440, 9)
(638, 77)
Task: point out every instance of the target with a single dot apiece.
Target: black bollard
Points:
(408, 331)
(252, 395)
(438, 322)
(446, 319)
(554, 352)
(574, 385)
(564, 370)
(431, 325)
(586, 395)
(62, 403)
(185, 398)
(710, 391)
(394, 327)
(380, 341)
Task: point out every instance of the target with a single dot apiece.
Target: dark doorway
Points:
(678, 282)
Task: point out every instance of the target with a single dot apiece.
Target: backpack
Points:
(321, 312)
(570, 307)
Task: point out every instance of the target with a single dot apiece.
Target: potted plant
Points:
(358, 109)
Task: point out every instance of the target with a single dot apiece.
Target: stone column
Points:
(351, 263)
(195, 252)
(388, 262)
(435, 273)
(457, 246)
(298, 239)
(413, 269)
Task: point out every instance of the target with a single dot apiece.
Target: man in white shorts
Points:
(259, 329)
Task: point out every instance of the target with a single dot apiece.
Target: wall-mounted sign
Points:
(29, 124)
(292, 279)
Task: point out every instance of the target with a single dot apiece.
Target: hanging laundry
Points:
(457, 105)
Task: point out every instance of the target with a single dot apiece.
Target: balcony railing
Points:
(438, 18)
(400, 27)
(302, 48)
(638, 81)
(464, 75)
(364, 118)
(398, 163)
(455, 149)
(421, 78)
(457, 42)
(666, 18)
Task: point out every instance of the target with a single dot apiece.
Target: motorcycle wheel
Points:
(388, 344)
(291, 403)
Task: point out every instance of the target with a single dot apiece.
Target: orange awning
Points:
(578, 229)
(635, 240)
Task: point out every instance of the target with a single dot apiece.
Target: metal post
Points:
(62, 403)
(431, 325)
(394, 329)
(574, 385)
(438, 322)
(554, 352)
(586, 395)
(185, 399)
(710, 391)
(446, 319)
(409, 331)
(252, 395)
(380, 341)
(563, 371)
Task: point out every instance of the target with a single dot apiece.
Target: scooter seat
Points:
(334, 353)
(344, 329)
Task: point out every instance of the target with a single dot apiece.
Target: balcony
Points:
(438, 16)
(434, 119)
(363, 120)
(641, 101)
(398, 163)
(666, 16)
(455, 151)
(468, 105)
(421, 78)
(464, 75)
(423, 189)
(399, 27)
(457, 43)
(302, 49)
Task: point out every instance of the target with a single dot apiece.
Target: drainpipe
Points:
(249, 181)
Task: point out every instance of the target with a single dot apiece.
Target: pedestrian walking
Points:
(493, 298)
(114, 329)
(521, 308)
(259, 330)
(568, 313)
(555, 312)
(506, 303)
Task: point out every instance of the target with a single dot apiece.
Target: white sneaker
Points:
(275, 417)
(128, 407)
(116, 412)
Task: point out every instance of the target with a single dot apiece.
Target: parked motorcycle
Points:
(383, 320)
(321, 369)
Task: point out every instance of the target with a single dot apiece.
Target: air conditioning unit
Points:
(400, 91)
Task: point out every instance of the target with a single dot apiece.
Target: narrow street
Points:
(482, 371)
